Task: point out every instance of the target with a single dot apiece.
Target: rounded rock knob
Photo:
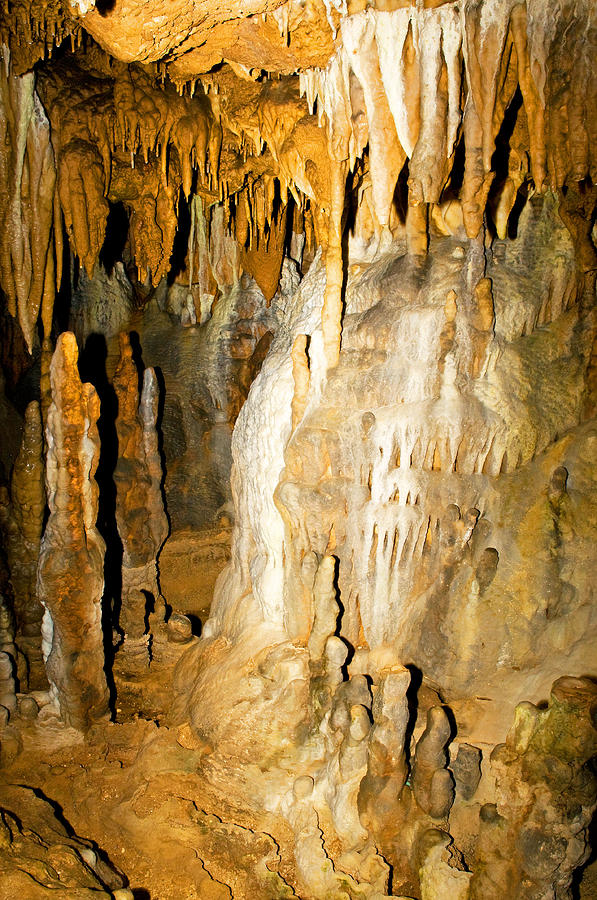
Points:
(5, 666)
(180, 629)
(28, 708)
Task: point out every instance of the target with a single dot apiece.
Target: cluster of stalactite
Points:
(114, 138)
(27, 180)
(115, 135)
(412, 83)
(34, 29)
(431, 95)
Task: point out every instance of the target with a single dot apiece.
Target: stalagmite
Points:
(70, 574)
(8, 698)
(7, 616)
(300, 375)
(25, 515)
(466, 768)
(325, 607)
(140, 515)
(482, 321)
(386, 756)
(432, 782)
(331, 313)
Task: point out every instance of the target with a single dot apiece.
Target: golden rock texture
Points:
(533, 809)
(355, 243)
(27, 177)
(40, 854)
(22, 515)
(70, 573)
(140, 515)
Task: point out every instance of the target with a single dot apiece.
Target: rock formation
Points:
(22, 514)
(140, 515)
(40, 853)
(358, 241)
(556, 814)
(27, 178)
(70, 574)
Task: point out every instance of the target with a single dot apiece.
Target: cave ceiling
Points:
(130, 102)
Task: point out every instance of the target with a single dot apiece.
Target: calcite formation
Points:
(355, 247)
(27, 179)
(140, 515)
(70, 573)
(21, 519)
(7, 620)
(557, 814)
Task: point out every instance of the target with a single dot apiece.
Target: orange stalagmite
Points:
(140, 515)
(71, 562)
(21, 521)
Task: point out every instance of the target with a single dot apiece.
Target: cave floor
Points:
(169, 814)
(154, 811)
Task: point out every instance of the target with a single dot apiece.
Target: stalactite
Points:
(70, 572)
(394, 40)
(530, 94)
(386, 156)
(437, 39)
(27, 178)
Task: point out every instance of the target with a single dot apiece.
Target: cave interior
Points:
(298, 415)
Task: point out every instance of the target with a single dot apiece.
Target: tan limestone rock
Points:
(70, 573)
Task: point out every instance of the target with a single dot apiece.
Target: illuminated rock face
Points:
(70, 573)
(441, 477)
(140, 515)
(445, 409)
(22, 515)
(359, 244)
